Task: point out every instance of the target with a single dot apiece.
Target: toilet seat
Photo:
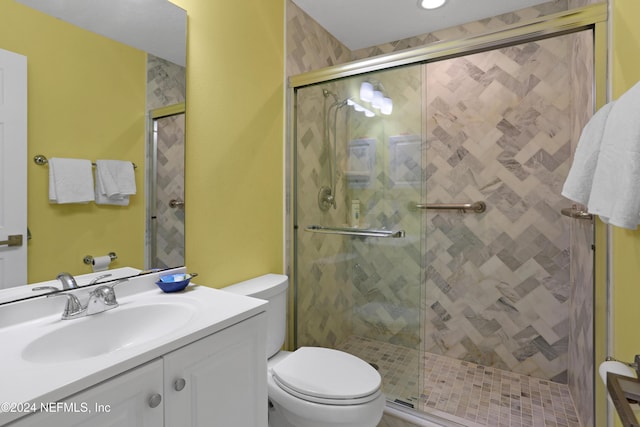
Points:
(327, 376)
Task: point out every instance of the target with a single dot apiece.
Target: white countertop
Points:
(25, 381)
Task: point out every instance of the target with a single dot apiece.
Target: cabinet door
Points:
(122, 401)
(220, 380)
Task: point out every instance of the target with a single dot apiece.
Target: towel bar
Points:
(348, 231)
(41, 160)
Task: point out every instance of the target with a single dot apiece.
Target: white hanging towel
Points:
(115, 182)
(579, 182)
(615, 193)
(70, 181)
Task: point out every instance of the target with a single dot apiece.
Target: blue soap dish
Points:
(174, 282)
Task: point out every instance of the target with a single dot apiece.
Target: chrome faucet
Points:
(102, 298)
(73, 309)
(67, 280)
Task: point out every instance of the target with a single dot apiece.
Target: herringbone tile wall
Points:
(499, 130)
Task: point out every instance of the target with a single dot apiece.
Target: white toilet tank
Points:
(273, 288)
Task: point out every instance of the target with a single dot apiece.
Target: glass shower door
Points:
(166, 213)
(498, 286)
(358, 293)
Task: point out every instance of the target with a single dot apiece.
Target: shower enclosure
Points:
(165, 166)
(166, 185)
(429, 241)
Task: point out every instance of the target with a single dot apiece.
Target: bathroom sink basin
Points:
(107, 332)
(47, 359)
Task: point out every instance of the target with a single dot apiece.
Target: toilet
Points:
(312, 386)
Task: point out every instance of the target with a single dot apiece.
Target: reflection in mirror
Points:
(19, 293)
(88, 98)
(166, 184)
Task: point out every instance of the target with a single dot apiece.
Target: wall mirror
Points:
(95, 70)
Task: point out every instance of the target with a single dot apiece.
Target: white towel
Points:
(102, 199)
(70, 181)
(615, 193)
(115, 182)
(578, 184)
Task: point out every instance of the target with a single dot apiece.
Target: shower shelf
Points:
(350, 231)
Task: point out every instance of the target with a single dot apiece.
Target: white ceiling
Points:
(365, 23)
(155, 26)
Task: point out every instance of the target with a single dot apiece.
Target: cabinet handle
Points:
(155, 400)
(179, 384)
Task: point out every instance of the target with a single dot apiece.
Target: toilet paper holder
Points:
(89, 259)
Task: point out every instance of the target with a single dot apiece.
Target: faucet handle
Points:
(107, 294)
(73, 307)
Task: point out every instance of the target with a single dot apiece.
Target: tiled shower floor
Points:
(472, 394)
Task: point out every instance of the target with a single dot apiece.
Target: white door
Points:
(13, 169)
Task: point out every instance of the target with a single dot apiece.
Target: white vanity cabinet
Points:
(120, 401)
(219, 380)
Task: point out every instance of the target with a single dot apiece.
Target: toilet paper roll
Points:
(615, 367)
(101, 263)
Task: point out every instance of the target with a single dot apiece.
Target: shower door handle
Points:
(476, 207)
(176, 203)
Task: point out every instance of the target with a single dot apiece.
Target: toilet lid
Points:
(326, 374)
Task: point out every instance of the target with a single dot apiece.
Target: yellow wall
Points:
(86, 99)
(626, 244)
(234, 139)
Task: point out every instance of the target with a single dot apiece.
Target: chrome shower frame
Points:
(593, 17)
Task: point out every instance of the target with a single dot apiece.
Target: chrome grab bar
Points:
(574, 212)
(13, 240)
(477, 207)
(349, 231)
